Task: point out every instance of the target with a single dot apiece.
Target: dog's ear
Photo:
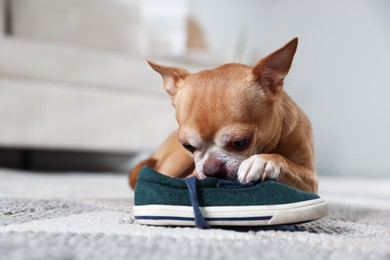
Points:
(271, 70)
(171, 76)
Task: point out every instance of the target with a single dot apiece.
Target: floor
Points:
(78, 215)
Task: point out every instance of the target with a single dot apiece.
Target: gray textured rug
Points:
(88, 216)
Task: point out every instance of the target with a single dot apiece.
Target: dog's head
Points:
(228, 113)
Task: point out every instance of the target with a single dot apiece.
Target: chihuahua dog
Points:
(237, 123)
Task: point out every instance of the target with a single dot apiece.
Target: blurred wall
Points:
(340, 75)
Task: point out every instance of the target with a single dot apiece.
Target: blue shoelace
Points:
(200, 222)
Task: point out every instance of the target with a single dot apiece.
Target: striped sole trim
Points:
(232, 215)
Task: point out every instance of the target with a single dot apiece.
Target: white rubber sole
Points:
(166, 215)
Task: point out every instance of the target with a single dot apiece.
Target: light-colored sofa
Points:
(73, 76)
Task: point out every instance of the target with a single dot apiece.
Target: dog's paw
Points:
(258, 167)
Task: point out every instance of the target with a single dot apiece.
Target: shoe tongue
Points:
(233, 184)
(212, 182)
(209, 182)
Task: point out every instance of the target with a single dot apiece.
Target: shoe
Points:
(163, 200)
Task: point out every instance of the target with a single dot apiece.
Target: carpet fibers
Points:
(88, 216)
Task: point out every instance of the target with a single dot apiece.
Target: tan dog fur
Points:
(238, 123)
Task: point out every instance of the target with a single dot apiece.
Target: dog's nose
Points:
(214, 168)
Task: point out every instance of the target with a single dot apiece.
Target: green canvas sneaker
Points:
(163, 200)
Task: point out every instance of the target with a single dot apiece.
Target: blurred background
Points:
(77, 94)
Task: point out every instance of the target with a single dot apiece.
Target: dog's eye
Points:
(189, 147)
(241, 143)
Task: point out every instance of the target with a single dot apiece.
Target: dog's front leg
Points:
(278, 167)
(170, 159)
